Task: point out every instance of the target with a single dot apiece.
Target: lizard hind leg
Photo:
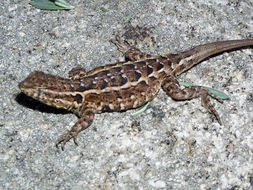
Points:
(132, 53)
(83, 123)
(172, 88)
(205, 102)
(77, 73)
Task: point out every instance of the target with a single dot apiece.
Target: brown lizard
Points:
(123, 85)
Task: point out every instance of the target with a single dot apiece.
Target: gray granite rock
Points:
(173, 145)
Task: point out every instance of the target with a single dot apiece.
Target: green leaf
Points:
(141, 110)
(64, 4)
(128, 19)
(51, 5)
(215, 92)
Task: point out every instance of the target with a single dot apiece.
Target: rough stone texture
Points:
(173, 145)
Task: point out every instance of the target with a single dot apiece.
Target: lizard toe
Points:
(63, 139)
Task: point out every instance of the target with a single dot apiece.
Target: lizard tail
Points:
(183, 61)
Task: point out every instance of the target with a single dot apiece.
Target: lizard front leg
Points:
(172, 88)
(83, 123)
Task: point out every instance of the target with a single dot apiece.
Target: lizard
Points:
(124, 85)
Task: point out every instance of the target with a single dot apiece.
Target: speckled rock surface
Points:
(173, 145)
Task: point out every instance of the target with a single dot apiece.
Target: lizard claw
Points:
(63, 139)
(74, 139)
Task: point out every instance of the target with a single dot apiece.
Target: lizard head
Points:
(48, 89)
(36, 82)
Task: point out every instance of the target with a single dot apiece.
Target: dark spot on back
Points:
(143, 83)
(113, 79)
(126, 92)
(190, 61)
(168, 62)
(105, 72)
(78, 98)
(117, 93)
(131, 94)
(182, 67)
(92, 97)
(81, 88)
(149, 69)
(141, 63)
(94, 76)
(39, 91)
(137, 75)
(106, 108)
(148, 55)
(72, 88)
(152, 78)
(129, 67)
(177, 58)
(103, 84)
(117, 69)
(123, 80)
(160, 66)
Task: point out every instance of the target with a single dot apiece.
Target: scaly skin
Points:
(123, 85)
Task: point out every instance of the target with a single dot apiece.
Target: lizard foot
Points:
(63, 139)
(210, 108)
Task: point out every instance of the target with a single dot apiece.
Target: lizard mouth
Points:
(23, 85)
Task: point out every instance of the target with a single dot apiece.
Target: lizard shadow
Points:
(31, 103)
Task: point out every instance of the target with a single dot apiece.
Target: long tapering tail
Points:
(185, 60)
